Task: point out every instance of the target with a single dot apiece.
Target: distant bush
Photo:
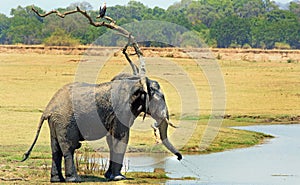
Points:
(61, 38)
(246, 46)
(291, 61)
(281, 45)
(191, 39)
(234, 46)
(262, 45)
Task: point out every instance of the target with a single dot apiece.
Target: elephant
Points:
(82, 111)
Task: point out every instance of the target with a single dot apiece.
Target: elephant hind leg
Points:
(69, 142)
(68, 150)
(70, 169)
(56, 174)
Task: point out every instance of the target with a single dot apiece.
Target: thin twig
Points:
(12, 179)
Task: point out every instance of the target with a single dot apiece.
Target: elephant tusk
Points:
(171, 124)
(140, 108)
(156, 125)
(155, 133)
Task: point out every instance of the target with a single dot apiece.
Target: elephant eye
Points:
(157, 95)
(155, 86)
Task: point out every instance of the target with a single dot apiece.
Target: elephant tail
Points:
(26, 154)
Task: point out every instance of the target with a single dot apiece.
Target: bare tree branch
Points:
(133, 66)
(112, 25)
(109, 19)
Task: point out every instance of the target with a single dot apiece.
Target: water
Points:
(276, 162)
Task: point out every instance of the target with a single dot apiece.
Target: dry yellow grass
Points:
(268, 88)
(28, 81)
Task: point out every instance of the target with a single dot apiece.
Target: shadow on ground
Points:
(92, 178)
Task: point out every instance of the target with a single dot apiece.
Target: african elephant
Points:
(81, 111)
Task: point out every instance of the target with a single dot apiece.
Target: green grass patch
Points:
(193, 118)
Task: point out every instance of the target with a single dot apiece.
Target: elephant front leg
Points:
(117, 147)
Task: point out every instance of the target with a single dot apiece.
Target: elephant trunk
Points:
(163, 130)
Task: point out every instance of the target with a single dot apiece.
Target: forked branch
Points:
(133, 66)
(111, 25)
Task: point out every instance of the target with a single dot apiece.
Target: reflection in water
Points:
(146, 162)
(277, 162)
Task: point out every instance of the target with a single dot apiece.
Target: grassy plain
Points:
(256, 92)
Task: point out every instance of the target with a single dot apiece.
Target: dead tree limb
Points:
(111, 25)
(133, 66)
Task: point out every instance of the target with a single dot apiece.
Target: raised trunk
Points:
(163, 130)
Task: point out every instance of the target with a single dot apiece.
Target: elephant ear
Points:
(139, 96)
(130, 97)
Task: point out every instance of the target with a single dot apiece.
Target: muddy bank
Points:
(260, 119)
(251, 55)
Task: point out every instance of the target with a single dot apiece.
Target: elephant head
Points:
(146, 96)
(158, 110)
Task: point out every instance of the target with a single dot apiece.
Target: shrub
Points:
(262, 45)
(234, 45)
(246, 46)
(281, 45)
(61, 38)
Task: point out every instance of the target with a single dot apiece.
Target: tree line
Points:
(220, 23)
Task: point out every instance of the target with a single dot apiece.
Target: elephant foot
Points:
(117, 177)
(107, 174)
(73, 179)
(110, 177)
(57, 179)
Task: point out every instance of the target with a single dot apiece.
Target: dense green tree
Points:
(82, 5)
(231, 30)
(276, 26)
(269, 5)
(136, 10)
(25, 27)
(207, 11)
(246, 8)
(222, 23)
(4, 25)
(295, 8)
(76, 25)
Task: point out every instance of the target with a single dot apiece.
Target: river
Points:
(276, 162)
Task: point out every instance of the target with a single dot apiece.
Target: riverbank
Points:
(37, 168)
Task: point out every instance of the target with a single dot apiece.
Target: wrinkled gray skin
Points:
(71, 120)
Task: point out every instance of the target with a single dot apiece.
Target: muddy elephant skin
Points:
(81, 111)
